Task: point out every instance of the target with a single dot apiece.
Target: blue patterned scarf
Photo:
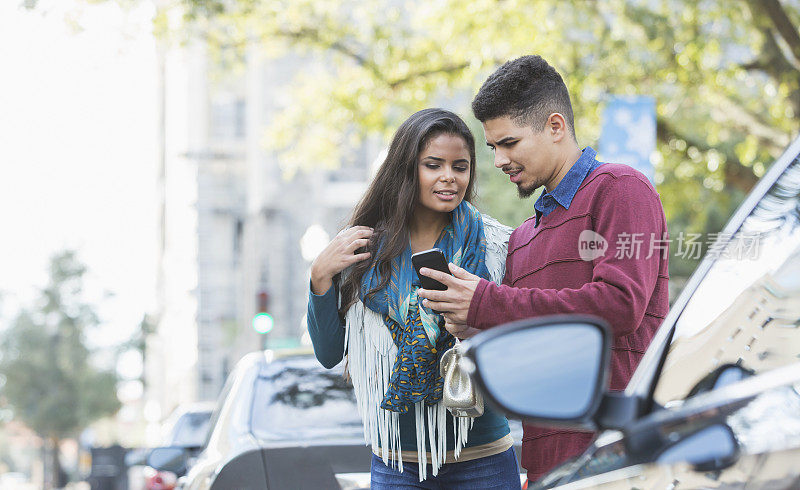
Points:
(415, 329)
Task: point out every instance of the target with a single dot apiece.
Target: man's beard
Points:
(526, 192)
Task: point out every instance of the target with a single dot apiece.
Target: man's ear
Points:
(557, 126)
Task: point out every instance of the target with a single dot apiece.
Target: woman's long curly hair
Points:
(389, 202)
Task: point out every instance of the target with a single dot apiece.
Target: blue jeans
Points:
(499, 471)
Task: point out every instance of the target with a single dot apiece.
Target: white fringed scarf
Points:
(371, 355)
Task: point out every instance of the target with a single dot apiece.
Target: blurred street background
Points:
(170, 168)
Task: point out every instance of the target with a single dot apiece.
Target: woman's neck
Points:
(425, 228)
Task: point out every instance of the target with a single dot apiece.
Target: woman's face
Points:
(444, 168)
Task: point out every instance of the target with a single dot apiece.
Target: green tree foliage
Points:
(50, 382)
(724, 74)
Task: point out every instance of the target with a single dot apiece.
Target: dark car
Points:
(187, 428)
(281, 422)
(714, 403)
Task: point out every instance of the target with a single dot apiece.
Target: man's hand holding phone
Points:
(455, 299)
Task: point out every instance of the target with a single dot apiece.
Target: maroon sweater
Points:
(546, 275)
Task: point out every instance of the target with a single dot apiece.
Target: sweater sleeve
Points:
(325, 327)
(507, 272)
(622, 280)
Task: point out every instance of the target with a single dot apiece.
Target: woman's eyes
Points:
(457, 168)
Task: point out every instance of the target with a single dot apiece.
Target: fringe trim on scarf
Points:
(371, 354)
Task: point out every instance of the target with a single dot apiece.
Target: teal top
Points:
(327, 334)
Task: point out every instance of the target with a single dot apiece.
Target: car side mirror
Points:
(171, 459)
(550, 369)
(711, 448)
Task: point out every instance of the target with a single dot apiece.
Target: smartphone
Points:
(432, 259)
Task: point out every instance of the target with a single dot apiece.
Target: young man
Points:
(596, 243)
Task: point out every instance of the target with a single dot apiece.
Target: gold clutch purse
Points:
(459, 394)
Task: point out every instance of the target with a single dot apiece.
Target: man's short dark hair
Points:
(527, 90)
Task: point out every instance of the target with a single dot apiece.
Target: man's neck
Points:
(566, 160)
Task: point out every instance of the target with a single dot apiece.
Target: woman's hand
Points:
(461, 331)
(337, 256)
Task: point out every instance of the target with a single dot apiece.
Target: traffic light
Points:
(262, 321)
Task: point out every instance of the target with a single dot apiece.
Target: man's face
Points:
(526, 156)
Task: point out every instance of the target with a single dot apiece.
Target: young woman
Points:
(364, 297)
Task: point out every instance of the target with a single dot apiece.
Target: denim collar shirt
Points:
(566, 189)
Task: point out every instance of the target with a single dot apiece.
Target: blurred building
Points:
(231, 224)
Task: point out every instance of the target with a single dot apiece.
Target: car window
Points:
(301, 400)
(747, 308)
(212, 423)
(191, 429)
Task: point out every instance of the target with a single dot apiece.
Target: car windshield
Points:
(747, 308)
(191, 429)
(300, 400)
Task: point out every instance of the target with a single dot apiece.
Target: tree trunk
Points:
(45, 466)
(58, 476)
(53, 475)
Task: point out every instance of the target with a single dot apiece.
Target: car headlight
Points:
(353, 481)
